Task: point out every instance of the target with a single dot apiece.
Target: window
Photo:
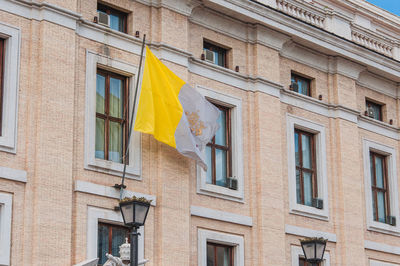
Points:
(118, 19)
(374, 110)
(307, 170)
(220, 249)
(224, 177)
(111, 116)
(215, 54)
(302, 262)
(301, 85)
(218, 151)
(110, 237)
(219, 255)
(306, 180)
(1, 78)
(98, 124)
(5, 227)
(380, 176)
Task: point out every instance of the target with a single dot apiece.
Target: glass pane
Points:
(303, 86)
(115, 148)
(379, 171)
(307, 179)
(373, 206)
(115, 23)
(381, 207)
(209, 165)
(220, 136)
(116, 98)
(99, 153)
(118, 238)
(302, 262)
(298, 186)
(306, 151)
(371, 165)
(309, 250)
(210, 255)
(100, 93)
(221, 59)
(220, 167)
(296, 148)
(102, 243)
(223, 256)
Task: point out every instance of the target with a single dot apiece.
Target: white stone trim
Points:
(13, 174)
(133, 169)
(237, 149)
(95, 215)
(381, 247)
(378, 127)
(318, 130)
(305, 232)
(221, 215)
(390, 153)
(297, 253)
(110, 192)
(5, 228)
(381, 263)
(12, 36)
(205, 236)
(90, 262)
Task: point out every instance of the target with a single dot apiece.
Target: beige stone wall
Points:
(49, 220)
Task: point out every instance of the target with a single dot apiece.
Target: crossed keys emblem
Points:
(196, 125)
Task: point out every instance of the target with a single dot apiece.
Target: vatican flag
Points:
(173, 112)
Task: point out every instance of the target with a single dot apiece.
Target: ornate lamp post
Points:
(134, 212)
(313, 249)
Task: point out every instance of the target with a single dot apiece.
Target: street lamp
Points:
(313, 249)
(134, 212)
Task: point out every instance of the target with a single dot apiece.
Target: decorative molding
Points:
(13, 174)
(379, 84)
(5, 228)
(381, 247)
(305, 232)
(344, 67)
(378, 127)
(221, 215)
(306, 14)
(110, 192)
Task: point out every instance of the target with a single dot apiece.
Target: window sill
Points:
(384, 228)
(113, 168)
(310, 212)
(220, 192)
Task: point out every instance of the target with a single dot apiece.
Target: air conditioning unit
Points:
(294, 87)
(103, 18)
(317, 203)
(209, 55)
(232, 183)
(391, 220)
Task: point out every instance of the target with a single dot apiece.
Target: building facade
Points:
(310, 126)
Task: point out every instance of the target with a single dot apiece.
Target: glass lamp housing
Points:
(134, 213)
(313, 249)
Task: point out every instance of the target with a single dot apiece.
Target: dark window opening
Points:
(301, 84)
(109, 238)
(219, 255)
(374, 110)
(380, 188)
(215, 54)
(117, 19)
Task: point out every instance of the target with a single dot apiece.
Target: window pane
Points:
(381, 207)
(303, 86)
(100, 93)
(118, 238)
(373, 205)
(116, 98)
(220, 136)
(210, 255)
(220, 167)
(298, 186)
(296, 148)
(209, 165)
(307, 179)
(115, 148)
(99, 138)
(379, 171)
(115, 23)
(223, 256)
(306, 151)
(371, 165)
(102, 243)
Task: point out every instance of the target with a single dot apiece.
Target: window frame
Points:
(110, 226)
(5, 227)
(2, 51)
(112, 11)
(293, 123)
(133, 169)
(391, 158)
(235, 241)
(235, 105)
(297, 253)
(231, 251)
(217, 49)
(297, 77)
(367, 101)
(376, 189)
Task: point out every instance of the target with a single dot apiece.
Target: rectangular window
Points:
(218, 151)
(219, 255)
(374, 110)
(111, 116)
(215, 54)
(117, 19)
(1, 81)
(306, 180)
(301, 85)
(379, 185)
(302, 262)
(110, 237)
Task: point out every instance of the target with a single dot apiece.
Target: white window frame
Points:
(381, 263)
(96, 215)
(235, 105)
(297, 253)
(391, 157)
(133, 169)
(5, 227)
(237, 242)
(12, 44)
(318, 130)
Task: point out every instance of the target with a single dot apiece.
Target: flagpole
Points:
(122, 186)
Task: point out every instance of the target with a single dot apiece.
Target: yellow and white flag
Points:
(173, 112)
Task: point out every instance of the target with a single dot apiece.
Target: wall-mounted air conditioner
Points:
(103, 19)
